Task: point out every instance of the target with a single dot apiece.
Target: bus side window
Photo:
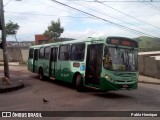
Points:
(77, 52)
(36, 51)
(64, 52)
(31, 53)
(41, 53)
(47, 52)
(54, 55)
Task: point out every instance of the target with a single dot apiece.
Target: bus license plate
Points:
(125, 86)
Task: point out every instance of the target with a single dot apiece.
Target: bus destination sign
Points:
(122, 41)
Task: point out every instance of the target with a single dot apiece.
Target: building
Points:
(40, 39)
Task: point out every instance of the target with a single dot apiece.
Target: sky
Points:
(125, 18)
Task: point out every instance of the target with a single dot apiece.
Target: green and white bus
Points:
(104, 63)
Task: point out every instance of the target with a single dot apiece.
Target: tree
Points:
(54, 31)
(11, 29)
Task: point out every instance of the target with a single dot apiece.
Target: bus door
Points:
(35, 60)
(93, 64)
(53, 61)
(46, 60)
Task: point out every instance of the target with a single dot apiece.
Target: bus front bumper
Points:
(107, 85)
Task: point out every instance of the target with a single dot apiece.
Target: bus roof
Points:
(89, 39)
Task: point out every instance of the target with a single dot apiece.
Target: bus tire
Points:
(79, 83)
(41, 74)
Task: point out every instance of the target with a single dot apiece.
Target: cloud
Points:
(31, 24)
(97, 33)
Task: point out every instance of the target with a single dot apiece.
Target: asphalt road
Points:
(63, 97)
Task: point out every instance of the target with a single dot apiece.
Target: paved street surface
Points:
(63, 97)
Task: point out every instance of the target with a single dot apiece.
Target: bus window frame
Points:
(31, 56)
(39, 56)
(36, 57)
(68, 52)
(49, 52)
(77, 52)
(55, 58)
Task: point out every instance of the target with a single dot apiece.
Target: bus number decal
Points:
(76, 64)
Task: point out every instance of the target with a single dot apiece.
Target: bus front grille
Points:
(125, 74)
(124, 81)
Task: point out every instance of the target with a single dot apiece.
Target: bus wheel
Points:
(41, 75)
(79, 83)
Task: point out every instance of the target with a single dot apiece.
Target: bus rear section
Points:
(33, 59)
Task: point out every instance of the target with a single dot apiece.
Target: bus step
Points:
(52, 78)
(91, 87)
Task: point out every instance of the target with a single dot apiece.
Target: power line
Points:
(49, 5)
(7, 3)
(149, 1)
(151, 5)
(47, 15)
(98, 11)
(115, 24)
(128, 15)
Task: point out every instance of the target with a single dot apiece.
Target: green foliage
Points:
(65, 39)
(11, 28)
(54, 31)
(148, 42)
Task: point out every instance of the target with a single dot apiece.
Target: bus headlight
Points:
(106, 76)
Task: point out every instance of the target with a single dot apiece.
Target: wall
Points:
(149, 66)
(149, 49)
(14, 54)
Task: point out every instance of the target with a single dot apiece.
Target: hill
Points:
(148, 42)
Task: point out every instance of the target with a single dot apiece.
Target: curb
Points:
(10, 63)
(3, 90)
(155, 83)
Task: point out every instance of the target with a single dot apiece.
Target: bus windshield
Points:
(120, 59)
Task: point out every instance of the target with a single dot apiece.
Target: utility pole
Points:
(5, 52)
